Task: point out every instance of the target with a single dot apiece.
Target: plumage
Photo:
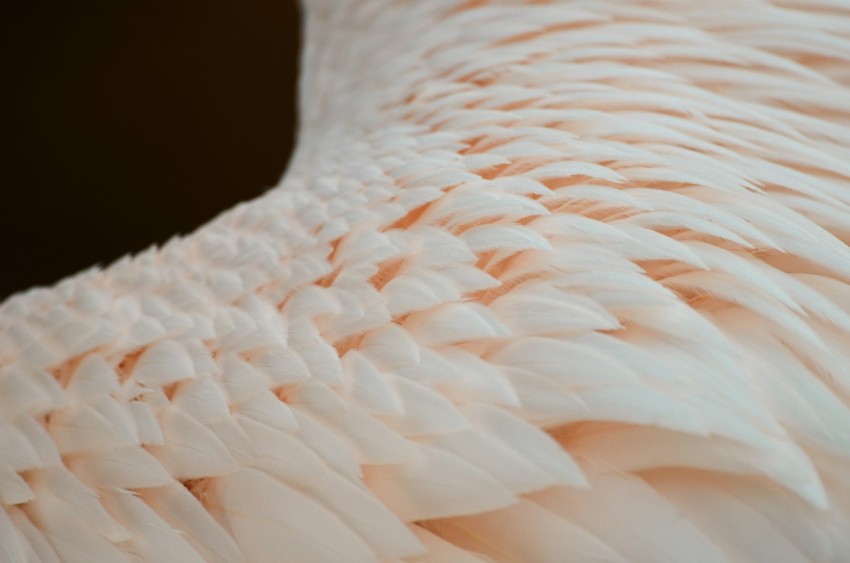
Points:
(544, 281)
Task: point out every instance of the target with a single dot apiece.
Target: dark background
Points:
(126, 122)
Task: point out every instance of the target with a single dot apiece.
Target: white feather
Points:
(191, 450)
(268, 518)
(436, 484)
(163, 363)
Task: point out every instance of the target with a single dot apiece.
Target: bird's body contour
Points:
(544, 282)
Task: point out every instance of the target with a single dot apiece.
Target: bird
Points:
(560, 281)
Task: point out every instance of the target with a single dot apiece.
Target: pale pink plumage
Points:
(544, 282)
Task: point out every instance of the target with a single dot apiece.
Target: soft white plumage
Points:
(545, 282)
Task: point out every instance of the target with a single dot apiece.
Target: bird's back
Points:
(545, 282)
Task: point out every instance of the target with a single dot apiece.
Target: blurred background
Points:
(128, 122)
